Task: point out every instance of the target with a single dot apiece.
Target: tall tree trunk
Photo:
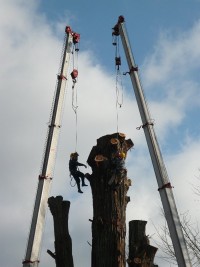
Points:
(109, 184)
(63, 244)
(141, 253)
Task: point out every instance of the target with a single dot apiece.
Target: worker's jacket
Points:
(73, 166)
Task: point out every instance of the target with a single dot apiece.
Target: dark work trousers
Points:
(77, 175)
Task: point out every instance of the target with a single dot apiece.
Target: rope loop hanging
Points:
(72, 185)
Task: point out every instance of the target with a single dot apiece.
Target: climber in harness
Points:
(73, 168)
(118, 166)
(117, 162)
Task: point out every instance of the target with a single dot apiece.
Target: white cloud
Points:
(185, 168)
(170, 73)
(175, 56)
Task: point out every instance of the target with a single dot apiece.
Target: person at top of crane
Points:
(73, 168)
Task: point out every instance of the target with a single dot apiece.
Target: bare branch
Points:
(192, 238)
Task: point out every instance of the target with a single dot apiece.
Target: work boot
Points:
(83, 182)
(79, 188)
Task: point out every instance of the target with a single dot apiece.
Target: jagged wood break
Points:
(109, 184)
(63, 244)
(141, 253)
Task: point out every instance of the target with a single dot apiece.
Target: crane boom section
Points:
(45, 178)
(164, 185)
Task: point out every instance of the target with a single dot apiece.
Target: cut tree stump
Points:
(141, 253)
(63, 244)
(109, 185)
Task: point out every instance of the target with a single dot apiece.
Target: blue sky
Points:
(165, 38)
(145, 21)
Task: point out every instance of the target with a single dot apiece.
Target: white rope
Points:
(118, 85)
(75, 109)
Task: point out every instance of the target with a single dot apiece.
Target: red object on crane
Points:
(75, 35)
(76, 38)
(116, 27)
(74, 74)
(121, 19)
(68, 29)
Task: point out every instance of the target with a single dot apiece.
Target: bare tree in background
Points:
(196, 187)
(192, 238)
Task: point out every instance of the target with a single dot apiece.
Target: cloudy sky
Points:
(165, 38)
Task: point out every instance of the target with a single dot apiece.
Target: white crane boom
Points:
(165, 188)
(45, 178)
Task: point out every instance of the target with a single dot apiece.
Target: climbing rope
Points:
(72, 185)
(119, 95)
(75, 109)
(74, 75)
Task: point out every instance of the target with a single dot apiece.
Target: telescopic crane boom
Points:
(165, 188)
(45, 178)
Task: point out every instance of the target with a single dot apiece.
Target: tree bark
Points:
(141, 253)
(109, 184)
(63, 243)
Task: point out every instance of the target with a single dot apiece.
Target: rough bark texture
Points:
(141, 253)
(63, 243)
(109, 184)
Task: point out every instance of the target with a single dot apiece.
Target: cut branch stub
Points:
(141, 253)
(109, 184)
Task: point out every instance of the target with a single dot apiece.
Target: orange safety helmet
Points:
(74, 155)
(121, 155)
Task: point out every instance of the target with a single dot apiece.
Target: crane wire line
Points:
(118, 102)
(118, 82)
(75, 94)
(75, 109)
(119, 89)
(75, 100)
